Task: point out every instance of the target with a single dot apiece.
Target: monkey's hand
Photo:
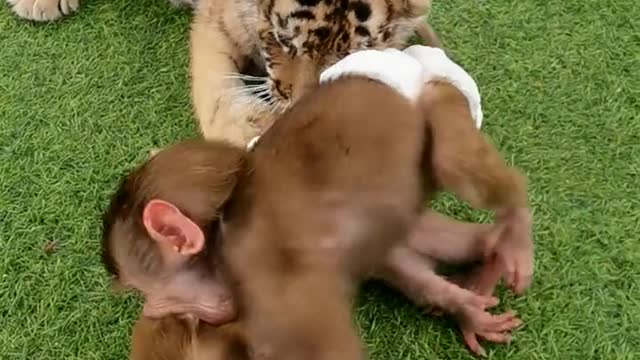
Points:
(476, 322)
(472, 318)
(515, 248)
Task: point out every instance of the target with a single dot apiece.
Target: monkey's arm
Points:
(411, 273)
(466, 164)
(439, 239)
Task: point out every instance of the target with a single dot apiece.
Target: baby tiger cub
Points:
(290, 42)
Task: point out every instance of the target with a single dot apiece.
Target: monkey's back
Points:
(333, 184)
(351, 149)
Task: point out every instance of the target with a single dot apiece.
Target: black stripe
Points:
(390, 10)
(308, 2)
(362, 31)
(303, 15)
(235, 63)
(270, 8)
(225, 32)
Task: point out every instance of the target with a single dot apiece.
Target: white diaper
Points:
(389, 66)
(407, 71)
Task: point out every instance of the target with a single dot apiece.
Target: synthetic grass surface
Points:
(84, 99)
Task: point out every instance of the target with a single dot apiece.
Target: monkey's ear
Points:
(167, 225)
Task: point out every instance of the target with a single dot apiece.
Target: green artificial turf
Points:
(84, 99)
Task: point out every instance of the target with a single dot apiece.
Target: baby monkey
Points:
(199, 176)
(161, 231)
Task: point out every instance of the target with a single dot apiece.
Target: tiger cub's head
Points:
(300, 38)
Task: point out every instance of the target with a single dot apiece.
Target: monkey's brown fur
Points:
(180, 338)
(417, 280)
(199, 192)
(333, 188)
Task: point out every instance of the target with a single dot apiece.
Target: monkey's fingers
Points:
(492, 323)
(523, 275)
(485, 302)
(512, 277)
(478, 301)
(515, 250)
(498, 338)
(522, 284)
(471, 340)
(498, 331)
(480, 320)
(518, 269)
(504, 323)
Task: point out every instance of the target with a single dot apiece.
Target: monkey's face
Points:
(158, 229)
(170, 265)
(189, 292)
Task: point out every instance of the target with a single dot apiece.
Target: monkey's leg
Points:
(482, 280)
(465, 163)
(409, 272)
(439, 239)
(448, 241)
(451, 241)
(222, 111)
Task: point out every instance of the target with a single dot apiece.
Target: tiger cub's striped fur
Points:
(291, 41)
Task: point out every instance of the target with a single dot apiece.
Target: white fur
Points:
(252, 143)
(407, 71)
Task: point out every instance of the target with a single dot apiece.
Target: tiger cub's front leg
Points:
(222, 110)
(43, 10)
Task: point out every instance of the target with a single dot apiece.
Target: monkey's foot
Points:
(479, 324)
(43, 10)
(475, 323)
(515, 248)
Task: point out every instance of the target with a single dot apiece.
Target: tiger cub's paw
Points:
(43, 10)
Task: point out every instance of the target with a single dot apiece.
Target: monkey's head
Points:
(160, 231)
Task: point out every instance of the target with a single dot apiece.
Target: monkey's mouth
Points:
(217, 314)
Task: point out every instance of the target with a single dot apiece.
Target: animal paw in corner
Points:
(43, 10)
